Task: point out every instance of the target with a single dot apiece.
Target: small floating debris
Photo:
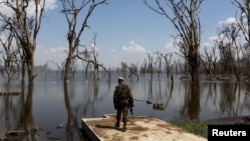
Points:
(185, 77)
(50, 137)
(59, 126)
(14, 93)
(16, 133)
(158, 106)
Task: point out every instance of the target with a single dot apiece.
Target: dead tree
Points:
(150, 64)
(209, 62)
(124, 67)
(230, 49)
(167, 58)
(243, 21)
(244, 17)
(143, 68)
(25, 27)
(159, 57)
(76, 12)
(184, 16)
(91, 58)
(9, 55)
(133, 70)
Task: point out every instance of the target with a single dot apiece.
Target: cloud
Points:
(229, 20)
(132, 53)
(170, 47)
(210, 42)
(133, 47)
(49, 5)
(43, 55)
(5, 9)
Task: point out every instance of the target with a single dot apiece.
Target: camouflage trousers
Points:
(124, 112)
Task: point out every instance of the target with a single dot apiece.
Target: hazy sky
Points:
(126, 30)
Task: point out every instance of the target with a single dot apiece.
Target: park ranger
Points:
(122, 99)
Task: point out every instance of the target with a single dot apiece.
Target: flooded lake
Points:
(47, 103)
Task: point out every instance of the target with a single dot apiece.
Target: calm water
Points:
(49, 103)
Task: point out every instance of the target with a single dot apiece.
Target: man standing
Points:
(122, 99)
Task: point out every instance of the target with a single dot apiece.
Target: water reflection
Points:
(228, 99)
(26, 121)
(72, 121)
(170, 94)
(49, 102)
(17, 114)
(191, 107)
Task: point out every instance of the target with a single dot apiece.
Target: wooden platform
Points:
(140, 128)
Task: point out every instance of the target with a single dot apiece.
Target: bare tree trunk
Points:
(150, 64)
(67, 69)
(30, 65)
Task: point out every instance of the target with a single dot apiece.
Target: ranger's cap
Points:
(120, 78)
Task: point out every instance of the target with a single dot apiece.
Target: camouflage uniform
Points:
(122, 99)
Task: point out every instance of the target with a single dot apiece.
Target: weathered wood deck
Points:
(140, 128)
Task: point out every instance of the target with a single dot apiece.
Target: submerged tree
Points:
(183, 14)
(25, 22)
(159, 57)
(133, 70)
(230, 49)
(209, 62)
(9, 54)
(90, 56)
(75, 11)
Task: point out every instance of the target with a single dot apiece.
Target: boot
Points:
(124, 127)
(117, 125)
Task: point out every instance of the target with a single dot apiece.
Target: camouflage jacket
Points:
(122, 95)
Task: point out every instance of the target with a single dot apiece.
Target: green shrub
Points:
(198, 128)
